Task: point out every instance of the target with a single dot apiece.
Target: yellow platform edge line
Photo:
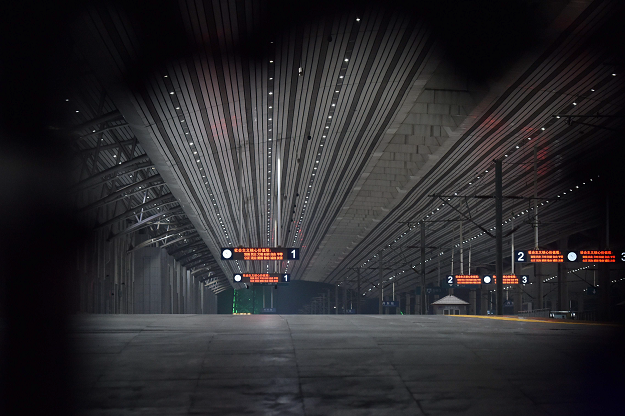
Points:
(505, 318)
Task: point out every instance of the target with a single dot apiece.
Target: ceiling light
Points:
(574, 103)
(171, 93)
(542, 128)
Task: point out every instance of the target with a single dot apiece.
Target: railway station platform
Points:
(345, 365)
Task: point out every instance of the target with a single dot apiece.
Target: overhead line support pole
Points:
(381, 284)
(359, 295)
(423, 307)
(499, 235)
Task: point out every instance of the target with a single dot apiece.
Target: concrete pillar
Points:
(580, 302)
(563, 298)
(472, 302)
(518, 302)
(603, 274)
(408, 303)
(484, 301)
(538, 277)
(417, 305)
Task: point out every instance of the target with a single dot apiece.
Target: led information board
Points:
(508, 279)
(557, 256)
(594, 256)
(538, 256)
(253, 253)
(475, 280)
(261, 278)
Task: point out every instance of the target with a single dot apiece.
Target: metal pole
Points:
(438, 281)
(535, 197)
(241, 204)
(499, 235)
(607, 220)
(279, 174)
(461, 251)
(512, 243)
(423, 308)
(451, 289)
(381, 276)
(336, 300)
(271, 291)
(358, 294)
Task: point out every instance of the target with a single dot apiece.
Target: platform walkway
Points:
(345, 365)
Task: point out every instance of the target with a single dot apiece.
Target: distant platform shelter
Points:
(450, 305)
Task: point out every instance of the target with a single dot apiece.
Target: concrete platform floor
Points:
(345, 365)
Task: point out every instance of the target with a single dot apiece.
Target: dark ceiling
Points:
(369, 116)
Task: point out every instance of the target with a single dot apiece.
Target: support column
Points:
(408, 303)
(336, 300)
(499, 235)
(472, 302)
(484, 301)
(518, 299)
(329, 303)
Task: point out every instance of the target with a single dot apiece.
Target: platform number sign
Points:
(450, 280)
(623, 256)
(524, 279)
(520, 256)
(286, 278)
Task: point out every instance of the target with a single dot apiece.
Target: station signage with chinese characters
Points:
(557, 256)
(266, 253)
(595, 256)
(538, 256)
(476, 280)
(390, 303)
(508, 279)
(269, 278)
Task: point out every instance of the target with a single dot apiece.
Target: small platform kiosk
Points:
(450, 305)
